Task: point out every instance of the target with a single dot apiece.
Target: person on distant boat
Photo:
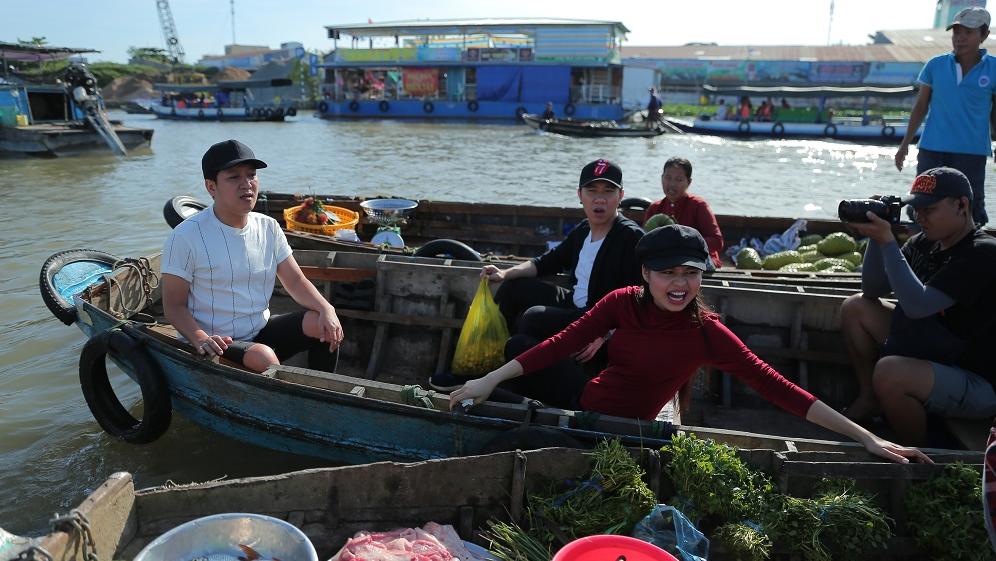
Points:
(548, 112)
(219, 268)
(746, 109)
(722, 111)
(957, 89)
(599, 254)
(653, 109)
(785, 104)
(687, 209)
(663, 333)
(932, 351)
(763, 112)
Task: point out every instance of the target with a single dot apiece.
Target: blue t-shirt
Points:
(958, 120)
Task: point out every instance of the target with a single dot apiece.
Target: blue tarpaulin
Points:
(523, 83)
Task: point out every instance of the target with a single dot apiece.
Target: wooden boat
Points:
(331, 504)
(231, 102)
(402, 316)
(593, 129)
(58, 119)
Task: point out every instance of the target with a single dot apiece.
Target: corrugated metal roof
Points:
(841, 53)
(461, 26)
(35, 53)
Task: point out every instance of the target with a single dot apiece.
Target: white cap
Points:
(971, 18)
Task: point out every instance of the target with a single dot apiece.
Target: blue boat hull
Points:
(458, 110)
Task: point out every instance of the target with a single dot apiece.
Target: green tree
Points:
(35, 41)
(140, 55)
(300, 71)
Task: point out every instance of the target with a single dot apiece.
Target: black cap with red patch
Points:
(601, 170)
(936, 184)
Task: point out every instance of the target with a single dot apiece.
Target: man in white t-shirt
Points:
(219, 268)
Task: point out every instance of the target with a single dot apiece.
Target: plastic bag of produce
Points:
(481, 347)
(667, 528)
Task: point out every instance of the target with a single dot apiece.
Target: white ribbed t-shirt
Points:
(582, 272)
(231, 271)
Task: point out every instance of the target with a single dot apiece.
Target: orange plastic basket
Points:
(347, 219)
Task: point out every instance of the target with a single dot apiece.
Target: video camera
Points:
(887, 208)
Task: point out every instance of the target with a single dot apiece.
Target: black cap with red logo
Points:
(936, 184)
(601, 170)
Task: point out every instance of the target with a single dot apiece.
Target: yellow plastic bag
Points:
(481, 347)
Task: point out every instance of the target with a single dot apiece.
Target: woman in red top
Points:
(690, 210)
(663, 334)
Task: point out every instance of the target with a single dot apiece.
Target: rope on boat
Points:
(34, 553)
(415, 395)
(77, 522)
(150, 282)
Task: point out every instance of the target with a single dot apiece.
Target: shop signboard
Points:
(724, 71)
(439, 54)
(398, 54)
(683, 70)
(893, 73)
(420, 82)
(780, 71)
(837, 72)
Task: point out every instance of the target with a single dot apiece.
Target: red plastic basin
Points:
(611, 548)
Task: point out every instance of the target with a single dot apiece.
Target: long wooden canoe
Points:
(330, 504)
(402, 316)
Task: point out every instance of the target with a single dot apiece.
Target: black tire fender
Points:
(248, 112)
(529, 438)
(180, 208)
(109, 413)
(292, 111)
(473, 106)
(200, 113)
(888, 131)
(384, 106)
(778, 129)
(570, 109)
(830, 130)
(268, 113)
(743, 127)
(219, 113)
(428, 107)
(323, 106)
(641, 203)
(62, 309)
(519, 112)
(172, 111)
(450, 248)
(278, 112)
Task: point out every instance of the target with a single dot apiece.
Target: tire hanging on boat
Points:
(292, 111)
(569, 109)
(744, 127)
(888, 131)
(428, 107)
(448, 248)
(200, 114)
(473, 106)
(638, 203)
(778, 129)
(830, 130)
(180, 208)
(108, 411)
(278, 112)
(62, 309)
(248, 112)
(384, 106)
(323, 106)
(219, 113)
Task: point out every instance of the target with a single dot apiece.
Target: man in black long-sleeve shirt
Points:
(931, 351)
(599, 254)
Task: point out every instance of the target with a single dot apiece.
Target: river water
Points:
(51, 450)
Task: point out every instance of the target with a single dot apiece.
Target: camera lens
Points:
(855, 210)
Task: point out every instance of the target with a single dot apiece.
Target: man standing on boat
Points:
(548, 113)
(599, 254)
(653, 109)
(219, 268)
(957, 88)
(932, 350)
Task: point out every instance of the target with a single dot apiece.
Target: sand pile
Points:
(127, 88)
(229, 73)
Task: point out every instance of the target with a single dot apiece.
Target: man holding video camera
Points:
(931, 351)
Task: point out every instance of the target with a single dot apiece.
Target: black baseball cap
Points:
(672, 246)
(936, 184)
(224, 155)
(601, 169)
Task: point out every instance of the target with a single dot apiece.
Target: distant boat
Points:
(805, 122)
(592, 129)
(224, 101)
(58, 119)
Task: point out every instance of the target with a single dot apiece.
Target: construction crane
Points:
(173, 45)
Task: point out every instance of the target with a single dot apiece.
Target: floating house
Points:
(268, 96)
(494, 69)
(60, 118)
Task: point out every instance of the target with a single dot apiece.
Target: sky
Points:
(205, 26)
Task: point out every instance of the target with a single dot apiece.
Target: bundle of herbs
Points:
(509, 542)
(610, 501)
(945, 517)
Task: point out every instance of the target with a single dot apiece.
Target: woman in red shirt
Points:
(690, 210)
(663, 333)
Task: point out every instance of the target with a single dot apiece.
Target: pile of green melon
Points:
(836, 253)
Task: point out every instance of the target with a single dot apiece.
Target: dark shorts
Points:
(972, 165)
(285, 335)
